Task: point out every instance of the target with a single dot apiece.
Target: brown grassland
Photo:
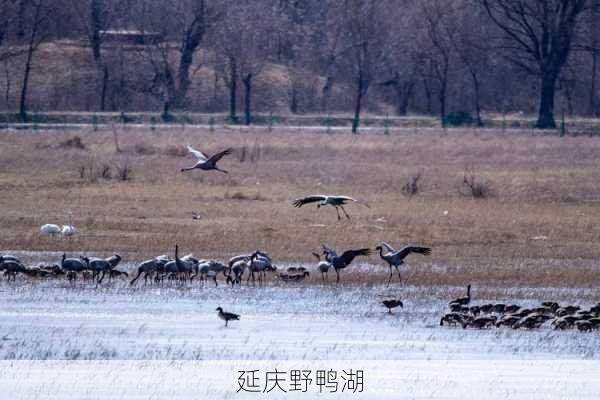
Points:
(539, 226)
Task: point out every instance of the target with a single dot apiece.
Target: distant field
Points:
(539, 225)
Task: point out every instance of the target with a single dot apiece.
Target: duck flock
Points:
(560, 317)
(254, 267)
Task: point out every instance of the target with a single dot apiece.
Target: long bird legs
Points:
(396, 258)
(338, 212)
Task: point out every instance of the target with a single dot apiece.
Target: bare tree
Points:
(8, 32)
(425, 71)
(6, 18)
(365, 46)
(228, 46)
(245, 38)
(593, 38)
(184, 25)
(7, 15)
(95, 17)
(440, 34)
(21, 17)
(538, 36)
(227, 67)
(293, 37)
(428, 56)
(470, 49)
(402, 71)
(40, 13)
(403, 83)
(327, 51)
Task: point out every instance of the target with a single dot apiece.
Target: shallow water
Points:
(51, 320)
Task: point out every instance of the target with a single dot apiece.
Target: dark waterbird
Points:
(227, 316)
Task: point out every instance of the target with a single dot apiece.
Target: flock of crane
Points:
(183, 270)
(187, 268)
(254, 267)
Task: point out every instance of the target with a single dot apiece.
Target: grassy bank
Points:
(535, 222)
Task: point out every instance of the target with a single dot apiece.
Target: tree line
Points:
(383, 56)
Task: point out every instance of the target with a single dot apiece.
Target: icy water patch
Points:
(55, 321)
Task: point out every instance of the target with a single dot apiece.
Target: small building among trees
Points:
(135, 37)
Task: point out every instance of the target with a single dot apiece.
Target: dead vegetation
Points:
(541, 219)
(249, 153)
(243, 196)
(143, 149)
(175, 151)
(475, 186)
(93, 171)
(74, 142)
(412, 186)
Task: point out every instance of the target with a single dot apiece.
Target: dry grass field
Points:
(538, 226)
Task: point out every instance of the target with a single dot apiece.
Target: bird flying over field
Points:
(323, 200)
(205, 162)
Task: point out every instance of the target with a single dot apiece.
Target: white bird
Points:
(323, 266)
(50, 230)
(205, 162)
(69, 230)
